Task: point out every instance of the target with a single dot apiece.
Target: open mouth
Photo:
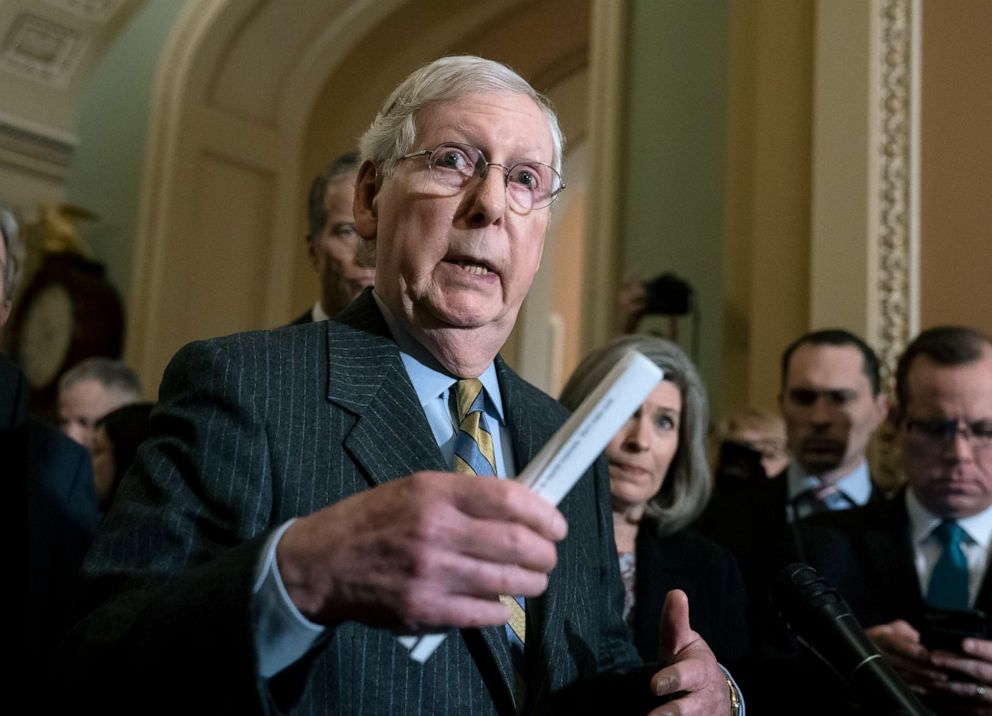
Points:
(473, 267)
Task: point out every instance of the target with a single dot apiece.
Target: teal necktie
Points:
(474, 455)
(948, 588)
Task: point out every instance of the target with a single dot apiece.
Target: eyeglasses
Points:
(529, 184)
(978, 434)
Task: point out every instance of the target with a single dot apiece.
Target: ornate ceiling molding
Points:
(41, 50)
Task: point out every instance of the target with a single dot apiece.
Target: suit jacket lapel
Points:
(891, 550)
(391, 437)
(529, 434)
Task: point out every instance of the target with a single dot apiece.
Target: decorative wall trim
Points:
(897, 153)
(41, 50)
(37, 149)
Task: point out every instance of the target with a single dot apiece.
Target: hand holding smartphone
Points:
(946, 628)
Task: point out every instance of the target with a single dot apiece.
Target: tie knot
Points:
(949, 532)
(470, 397)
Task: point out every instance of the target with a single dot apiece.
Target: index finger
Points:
(490, 498)
(978, 648)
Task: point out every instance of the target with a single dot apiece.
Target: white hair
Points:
(393, 132)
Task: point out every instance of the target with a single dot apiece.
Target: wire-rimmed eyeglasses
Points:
(455, 166)
(977, 433)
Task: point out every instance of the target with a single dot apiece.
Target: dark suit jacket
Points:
(867, 555)
(50, 509)
(750, 521)
(256, 428)
(708, 574)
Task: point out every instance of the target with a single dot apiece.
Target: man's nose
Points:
(958, 447)
(821, 412)
(487, 199)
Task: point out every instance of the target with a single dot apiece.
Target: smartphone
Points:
(945, 628)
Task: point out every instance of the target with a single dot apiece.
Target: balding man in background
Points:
(90, 390)
(333, 243)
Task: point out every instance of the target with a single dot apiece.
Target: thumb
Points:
(674, 633)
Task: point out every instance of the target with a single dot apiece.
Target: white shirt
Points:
(317, 313)
(927, 548)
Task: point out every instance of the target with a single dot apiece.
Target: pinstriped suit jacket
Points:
(256, 428)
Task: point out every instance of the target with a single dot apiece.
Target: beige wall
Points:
(766, 257)
(956, 184)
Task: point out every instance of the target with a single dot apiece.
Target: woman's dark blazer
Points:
(707, 573)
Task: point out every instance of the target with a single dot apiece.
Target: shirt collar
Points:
(317, 313)
(922, 522)
(429, 378)
(856, 484)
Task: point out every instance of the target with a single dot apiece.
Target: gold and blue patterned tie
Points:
(474, 455)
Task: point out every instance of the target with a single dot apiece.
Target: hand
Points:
(427, 551)
(970, 675)
(691, 675)
(631, 301)
(900, 644)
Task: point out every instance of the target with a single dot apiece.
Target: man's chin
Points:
(470, 315)
(818, 463)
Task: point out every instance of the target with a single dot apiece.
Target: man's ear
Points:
(311, 252)
(367, 187)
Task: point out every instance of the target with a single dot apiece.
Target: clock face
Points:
(46, 334)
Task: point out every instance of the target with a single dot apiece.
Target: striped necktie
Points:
(474, 455)
(948, 588)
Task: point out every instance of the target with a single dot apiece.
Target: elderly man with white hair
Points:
(311, 492)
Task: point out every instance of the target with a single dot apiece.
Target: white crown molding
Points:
(36, 148)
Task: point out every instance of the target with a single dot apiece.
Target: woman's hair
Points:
(686, 488)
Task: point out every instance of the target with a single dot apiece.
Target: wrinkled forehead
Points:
(490, 120)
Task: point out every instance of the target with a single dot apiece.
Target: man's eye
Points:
(802, 397)
(841, 397)
(453, 158)
(526, 176)
(982, 430)
(344, 231)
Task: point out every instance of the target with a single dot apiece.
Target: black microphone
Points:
(823, 622)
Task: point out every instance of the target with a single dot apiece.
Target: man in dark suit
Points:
(929, 545)
(333, 244)
(297, 507)
(832, 402)
(49, 507)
